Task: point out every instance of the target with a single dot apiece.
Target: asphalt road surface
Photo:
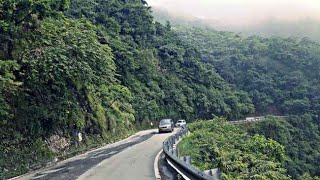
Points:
(131, 158)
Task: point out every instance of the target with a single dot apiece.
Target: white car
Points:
(181, 123)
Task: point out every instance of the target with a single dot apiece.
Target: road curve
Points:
(136, 162)
(131, 158)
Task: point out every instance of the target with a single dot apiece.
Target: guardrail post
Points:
(189, 159)
(167, 145)
(177, 152)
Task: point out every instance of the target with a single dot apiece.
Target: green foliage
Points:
(8, 86)
(166, 77)
(102, 68)
(71, 72)
(307, 176)
(280, 74)
(217, 144)
(20, 19)
(300, 136)
(26, 154)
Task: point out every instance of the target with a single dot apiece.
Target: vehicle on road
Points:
(166, 125)
(181, 123)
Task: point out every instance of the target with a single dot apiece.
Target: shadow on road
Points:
(73, 169)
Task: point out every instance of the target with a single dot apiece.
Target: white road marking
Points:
(156, 166)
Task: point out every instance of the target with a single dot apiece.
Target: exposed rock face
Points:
(58, 143)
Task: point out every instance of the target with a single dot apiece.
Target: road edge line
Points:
(156, 166)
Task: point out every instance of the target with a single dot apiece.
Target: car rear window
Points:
(180, 121)
(165, 121)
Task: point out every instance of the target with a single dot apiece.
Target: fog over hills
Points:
(267, 18)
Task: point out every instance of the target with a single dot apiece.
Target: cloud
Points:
(243, 12)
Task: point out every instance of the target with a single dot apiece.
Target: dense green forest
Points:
(217, 144)
(276, 148)
(100, 68)
(300, 135)
(281, 76)
(107, 68)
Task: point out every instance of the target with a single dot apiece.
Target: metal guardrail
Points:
(182, 167)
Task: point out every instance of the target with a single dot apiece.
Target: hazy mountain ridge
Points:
(307, 27)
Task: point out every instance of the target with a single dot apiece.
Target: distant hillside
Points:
(162, 16)
(309, 28)
(305, 28)
(281, 75)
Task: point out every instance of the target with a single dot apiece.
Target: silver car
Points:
(166, 125)
(181, 123)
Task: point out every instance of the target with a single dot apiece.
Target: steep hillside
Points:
(98, 68)
(300, 135)
(165, 76)
(281, 75)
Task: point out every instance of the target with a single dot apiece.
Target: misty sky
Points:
(243, 12)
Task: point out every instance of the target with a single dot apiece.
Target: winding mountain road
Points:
(132, 158)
